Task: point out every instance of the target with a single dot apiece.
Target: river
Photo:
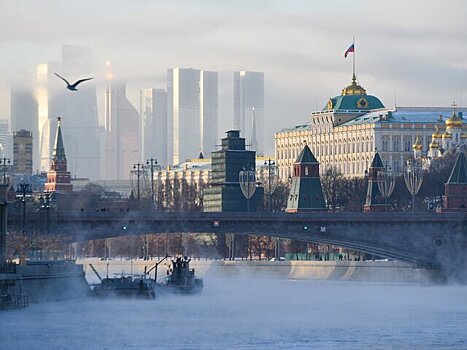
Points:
(251, 314)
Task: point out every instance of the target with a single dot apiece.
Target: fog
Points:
(402, 48)
(251, 314)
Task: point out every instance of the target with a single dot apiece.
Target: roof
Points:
(354, 102)
(297, 127)
(377, 162)
(306, 156)
(59, 149)
(404, 115)
(459, 171)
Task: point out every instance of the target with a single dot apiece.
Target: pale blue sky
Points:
(414, 49)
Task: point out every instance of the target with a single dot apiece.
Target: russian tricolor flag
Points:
(349, 50)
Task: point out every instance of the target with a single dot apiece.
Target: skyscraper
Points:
(122, 133)
(153, 121)
(249, 107)
(192, 112)
(23, 108)
(22, 151)
(80, 111)
(47, 97)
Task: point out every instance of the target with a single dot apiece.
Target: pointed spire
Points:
(459, 171)
(254, 142)
(377, 162)
(59, 150)
(306, 156)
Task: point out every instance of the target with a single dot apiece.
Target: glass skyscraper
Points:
(249, 108)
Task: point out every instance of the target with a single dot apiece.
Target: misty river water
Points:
(251, 314)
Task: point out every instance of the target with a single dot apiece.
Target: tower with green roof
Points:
(58, 177)
(455, 190)
(305, 193)
(374, 200)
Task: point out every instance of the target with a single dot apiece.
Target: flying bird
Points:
(72, 87)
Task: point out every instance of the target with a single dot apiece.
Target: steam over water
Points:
(251, 314)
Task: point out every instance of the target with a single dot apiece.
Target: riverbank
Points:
(364, 271)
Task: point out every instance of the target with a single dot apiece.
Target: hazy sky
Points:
(415, 50)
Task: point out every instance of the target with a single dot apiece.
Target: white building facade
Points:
(346, 133)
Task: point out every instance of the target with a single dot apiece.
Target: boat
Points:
(126, 285)
(181, 279)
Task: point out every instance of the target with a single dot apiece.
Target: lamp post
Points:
(272, 177)
(247, 180)
(386, 182)
(45, 201)
(5, 165)
(138, 170)
(413, 176)
(152, 165)
(23, 190)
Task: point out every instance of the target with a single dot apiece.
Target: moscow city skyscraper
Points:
(48, 106)
(79, 109)
(153, 111)
(122, 133)
(80, 113)
(192, 110)
(249, 108)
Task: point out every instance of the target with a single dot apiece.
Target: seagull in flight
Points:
(72, 87)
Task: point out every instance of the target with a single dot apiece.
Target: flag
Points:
(349, 50)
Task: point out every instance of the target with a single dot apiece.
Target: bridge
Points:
(425, 239)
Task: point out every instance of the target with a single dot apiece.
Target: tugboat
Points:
(126, 285)
(180, 279)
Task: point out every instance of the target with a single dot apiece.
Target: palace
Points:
(346, 133)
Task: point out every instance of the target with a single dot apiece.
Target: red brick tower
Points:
(58, 178)
(455, 190)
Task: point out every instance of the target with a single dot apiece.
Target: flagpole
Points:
(353, 43)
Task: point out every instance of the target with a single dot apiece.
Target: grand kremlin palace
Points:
(346, 133)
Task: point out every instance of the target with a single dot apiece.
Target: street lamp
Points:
(45, 201)
(271, 169)
(272, 178)
(23, 191)
(152, 165)
(413, 176)
(5, 166)
(247, 180)
(138, 170)
(386, 181)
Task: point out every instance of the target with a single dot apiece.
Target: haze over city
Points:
(404, 51)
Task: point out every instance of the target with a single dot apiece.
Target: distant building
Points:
(4, 144)
(80, 111)
(23, 151)
(58, 177)
(122, 133)
(23, 107)
(48, 107)
(153, 121)
(249, 108)
(192, 110)
(224, 192)
(352, 125)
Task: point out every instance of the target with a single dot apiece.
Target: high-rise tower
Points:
(80, 110)
(249, 107)
(153, 121)
(192, 112)
(48, 106)
(122, 133)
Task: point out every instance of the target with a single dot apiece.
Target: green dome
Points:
(353, 97)
(353, 102)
